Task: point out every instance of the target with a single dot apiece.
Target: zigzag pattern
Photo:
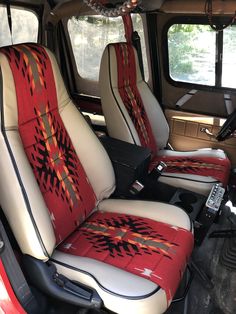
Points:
(130, 95)
(59, 173)
(145, 247)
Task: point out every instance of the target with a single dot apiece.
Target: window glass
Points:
(89, 36)
(192, 51)
(24, 26)
(229, 60)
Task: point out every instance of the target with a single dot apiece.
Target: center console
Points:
(130, 163)
(131, 166)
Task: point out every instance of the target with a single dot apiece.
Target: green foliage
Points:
(182, 39)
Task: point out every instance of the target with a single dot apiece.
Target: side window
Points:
(229, 60)
(192, 50)
(199, 55)
(89, 36)
(24, 26)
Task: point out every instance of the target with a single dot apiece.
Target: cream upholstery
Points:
(102, 185)
(196, 183)
(17, 177)
(139, 296)
(204, 152)
(166, 213)
(113, 280)
(120, 125)
(27, 213)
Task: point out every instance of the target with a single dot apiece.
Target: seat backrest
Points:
(131, 111)
(53, 168)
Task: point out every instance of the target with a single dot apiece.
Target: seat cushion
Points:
(133, 114)
(147, 248)
(207, 166)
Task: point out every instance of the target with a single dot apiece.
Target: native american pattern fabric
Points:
(218, 168)
(127, 85)
(59, 173)
(130, 95)
(153, 250)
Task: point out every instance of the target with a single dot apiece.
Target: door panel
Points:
(186, 134)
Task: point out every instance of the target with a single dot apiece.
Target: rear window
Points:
(89, 36)
(24, 26)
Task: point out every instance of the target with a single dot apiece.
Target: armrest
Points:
(130, 162)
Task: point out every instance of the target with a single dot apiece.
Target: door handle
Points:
(207, 132)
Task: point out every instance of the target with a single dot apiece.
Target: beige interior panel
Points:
(185, 133)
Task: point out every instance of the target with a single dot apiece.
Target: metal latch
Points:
(136, 187)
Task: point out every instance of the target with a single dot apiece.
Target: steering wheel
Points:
(124, 8)
(227, 128)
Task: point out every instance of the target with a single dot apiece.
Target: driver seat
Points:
(56, 179)
(133, 114)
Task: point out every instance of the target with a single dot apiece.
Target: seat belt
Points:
(49, 28)
(9, 19)
(15, 275)
(137, 44)
(132, 37)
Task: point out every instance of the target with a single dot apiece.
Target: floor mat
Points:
(221, 298)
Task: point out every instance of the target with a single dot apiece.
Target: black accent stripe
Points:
(115, 96)
(192, 180)
(25, 196)
(102, 287)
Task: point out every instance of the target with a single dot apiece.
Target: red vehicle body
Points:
(8, 301)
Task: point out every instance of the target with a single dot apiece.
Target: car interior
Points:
(118, 167)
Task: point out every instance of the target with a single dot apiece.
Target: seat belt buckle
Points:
(136, 187)
(160, 167)
(158, 170)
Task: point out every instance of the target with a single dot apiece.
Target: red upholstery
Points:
(58, 171)
(203, 166)
(144, 247)
(141, 246)
(129, 93)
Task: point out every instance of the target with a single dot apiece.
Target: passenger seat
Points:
(133, 114)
